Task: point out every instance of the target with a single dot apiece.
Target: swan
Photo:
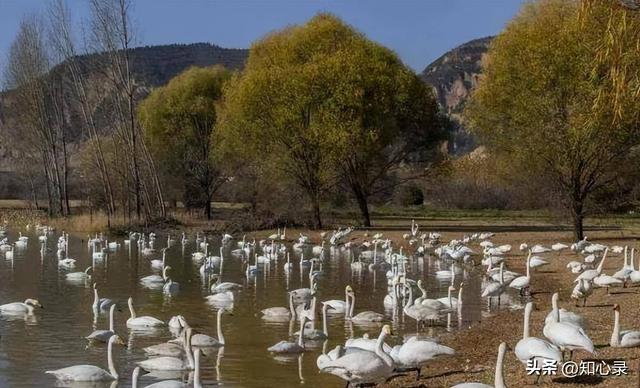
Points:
(221, 298)
(67, 263)
(171, 363)
(418, 312)
(433, 304)
(203, 340)
(90, 372)
(286, 347)
(159, 264)
(522, 283)
(224, 286)
(565, 315)
(606, 281)
(559, 247)
(634, 275)
(25, 307)
(155, 281)
(168, 349)
(280, 313)
(197, 383)
(590, 274)
(537, 262)
(100, 304)
(141, 322)
(288, 266)
(495, 289)
(532, 348)
(625, 338)
(415, 353)
(567, 336)
(498, 381)
(316, 334)
(79, 276)
(363, 367)
(582, 290)
(364, 316)
(104, 335)
(451, 302)
(337, 306)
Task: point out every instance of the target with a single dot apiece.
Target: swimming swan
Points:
(104, 335)
(172, 363)
(141, 322)
(25, 307)
(90, 372)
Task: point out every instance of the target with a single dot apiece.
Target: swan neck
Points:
(219, 325)
(131, 310)
(111, 314)
(301, 335)
(96, 299)
(556, 311)
(325, 330)
(134, 377)
(615, 336)
(189, 350)
(499, 378)
(196, 373)
(291, 309)
(380, 350)
(602, 261)
(112, 368)
(353, 304)
(529, 265)
(527, 317)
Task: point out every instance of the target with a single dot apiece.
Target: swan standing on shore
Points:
(535, 349)
(498, 378)
(566, 336)
(90, 372)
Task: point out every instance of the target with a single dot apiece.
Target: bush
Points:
(409, 195)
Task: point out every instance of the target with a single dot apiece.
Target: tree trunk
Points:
(363, 204)
(577, 214)
(317, 218)
(207, 208)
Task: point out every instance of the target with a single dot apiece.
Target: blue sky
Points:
(418, 30)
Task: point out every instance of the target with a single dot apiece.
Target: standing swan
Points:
(532, 348)
(566, 336)
(363, 367)
(625, 338)
(498, 379)
(90, 372)
(141, 322)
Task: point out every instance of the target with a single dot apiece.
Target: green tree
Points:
(559, 96)
(322, 102)
(179, 120)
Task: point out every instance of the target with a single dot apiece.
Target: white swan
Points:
(90, 372)
(172, 383)
(104, 335)
(79, 276)
(100, 304)
(624, 338)
(452, 302)
(172, 363)
(141, 322)
(607, 281)
(567, 336)
(316, 334)
(415, 353)
(565, 315)
(582, 290)
(203, 340)
(170, 287)
(287, 347)
(25, 307)
(159, 264)
(363, 367)
(339, 306)
(532, 348)
(221, 298)
(523, 283)
(433, 304)
(590, 274)
(280, 313)
(364, 316)
(155, 281)
(498, 381)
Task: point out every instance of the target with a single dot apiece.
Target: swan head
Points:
(116, 339)
(616, 307)
(348, 289)
(452, 288)
(33, 302)
(386, 329)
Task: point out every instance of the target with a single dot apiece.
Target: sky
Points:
(419, 31)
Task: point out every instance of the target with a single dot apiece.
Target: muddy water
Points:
(54, 337)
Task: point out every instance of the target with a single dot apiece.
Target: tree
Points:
(322, 102)
(179, 121)
(559, 96)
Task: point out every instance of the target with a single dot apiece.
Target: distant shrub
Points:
(409, 195)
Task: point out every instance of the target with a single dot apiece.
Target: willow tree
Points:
(559, 95)
(179, 120)
(321, 102)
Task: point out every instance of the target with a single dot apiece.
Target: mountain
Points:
(454, 76)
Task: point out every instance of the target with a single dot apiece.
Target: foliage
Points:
(178, 120)
(559, 95)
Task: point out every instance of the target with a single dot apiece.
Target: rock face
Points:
(453, 77)
(455, 74)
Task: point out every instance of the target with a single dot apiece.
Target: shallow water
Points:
(54, 337)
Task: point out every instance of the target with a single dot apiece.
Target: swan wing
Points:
(81, 373)
(163, 363)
